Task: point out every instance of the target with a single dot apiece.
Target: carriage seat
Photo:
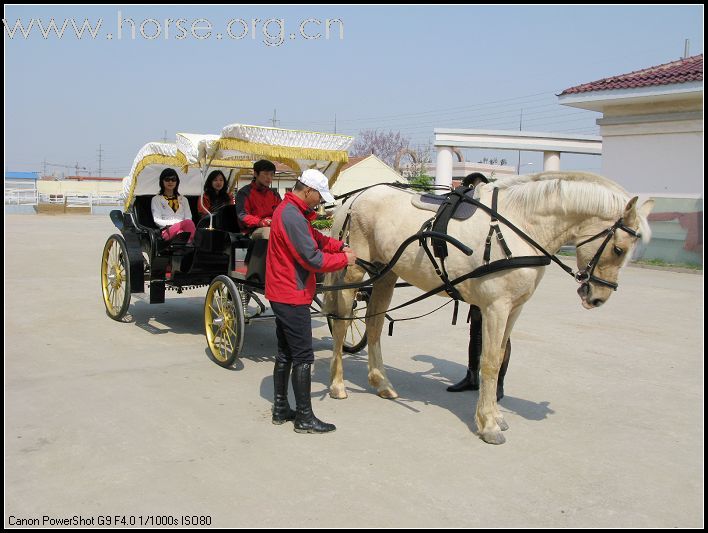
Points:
(142, 207)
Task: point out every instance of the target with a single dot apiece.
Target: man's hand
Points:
(351, 256)
(264, 223)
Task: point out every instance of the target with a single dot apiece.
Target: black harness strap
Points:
(494, 228)
(442, 218)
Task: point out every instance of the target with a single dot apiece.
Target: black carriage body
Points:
(211, 254)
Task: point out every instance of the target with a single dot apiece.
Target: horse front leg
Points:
(490, 422)
(340, 304)
(378, 303)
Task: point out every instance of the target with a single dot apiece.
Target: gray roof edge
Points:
(514, 133)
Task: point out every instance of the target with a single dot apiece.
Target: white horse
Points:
(553, 208)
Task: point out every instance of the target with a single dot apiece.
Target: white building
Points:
(651, 126)
(362, 172)
(652, 144)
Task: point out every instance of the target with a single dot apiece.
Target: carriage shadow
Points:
(181, 316)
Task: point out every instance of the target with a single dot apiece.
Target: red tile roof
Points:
(681, 71)
(353, 161)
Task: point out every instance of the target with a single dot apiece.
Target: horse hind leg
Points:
(340, 303)
(378, 304)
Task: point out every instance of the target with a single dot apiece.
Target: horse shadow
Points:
(427, 387)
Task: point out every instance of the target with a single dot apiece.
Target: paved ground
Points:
(605, 409)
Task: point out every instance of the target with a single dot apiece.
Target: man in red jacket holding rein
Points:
(296, 251)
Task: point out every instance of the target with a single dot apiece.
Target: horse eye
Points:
(617, 250)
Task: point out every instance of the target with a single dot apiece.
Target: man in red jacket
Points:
(256, 202)
(296, 251)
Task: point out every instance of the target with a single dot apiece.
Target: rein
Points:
(448, 286)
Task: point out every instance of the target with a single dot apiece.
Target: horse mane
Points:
(575, 192)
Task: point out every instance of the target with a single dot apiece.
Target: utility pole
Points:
(164, 137)
(335, 123)
(274, 120)
(44, 167)
(100, 159)
(518, 164)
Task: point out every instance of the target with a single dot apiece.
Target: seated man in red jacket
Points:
(296, 251)
(256, 202)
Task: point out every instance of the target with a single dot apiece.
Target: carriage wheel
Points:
(115, 277)
(355, 337)
(223, 321)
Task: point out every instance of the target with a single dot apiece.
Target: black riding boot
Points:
(471, 380)
(281, 408)
(305, 420)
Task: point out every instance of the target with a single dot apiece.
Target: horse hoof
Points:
(502, 423)
(493, 437)
(338, 393)
(388, 394)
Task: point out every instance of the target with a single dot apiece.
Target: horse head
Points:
(601, 256)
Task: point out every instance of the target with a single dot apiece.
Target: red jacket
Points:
(296, 251)
(253, 204)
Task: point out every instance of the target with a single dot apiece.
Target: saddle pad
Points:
(432, 202)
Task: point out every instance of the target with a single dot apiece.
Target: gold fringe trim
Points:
(153, 159)
(279, 153)
(183, 163)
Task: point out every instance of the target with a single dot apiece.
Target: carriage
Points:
(138, 256)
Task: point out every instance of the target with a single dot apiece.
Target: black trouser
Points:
(475, 346)
(293, 327)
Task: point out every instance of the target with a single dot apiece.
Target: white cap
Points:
(316, 180)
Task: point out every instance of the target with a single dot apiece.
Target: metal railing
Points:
(21, 196)
(68, 199)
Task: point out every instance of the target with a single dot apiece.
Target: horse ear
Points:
(646, 208)
(630, 212)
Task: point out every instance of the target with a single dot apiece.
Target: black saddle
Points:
(434, 202)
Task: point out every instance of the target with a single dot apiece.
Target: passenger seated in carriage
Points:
(256, 202)
(215, 194)
(170, 210)
(471, 379)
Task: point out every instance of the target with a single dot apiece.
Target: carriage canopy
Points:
(235, 151)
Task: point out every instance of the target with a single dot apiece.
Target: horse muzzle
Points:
(586, 298)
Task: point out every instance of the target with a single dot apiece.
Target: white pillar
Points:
(551, 161)
(443, 167)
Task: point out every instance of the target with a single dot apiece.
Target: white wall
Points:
(654, 162)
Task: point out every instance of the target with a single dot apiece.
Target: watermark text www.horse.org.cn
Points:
(271, 31)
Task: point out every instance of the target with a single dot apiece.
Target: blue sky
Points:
(407, 69)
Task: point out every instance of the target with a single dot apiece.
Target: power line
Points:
(274, 121)
(100, 154)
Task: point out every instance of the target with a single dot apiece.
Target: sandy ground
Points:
(605, 409)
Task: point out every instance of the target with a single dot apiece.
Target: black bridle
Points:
(586, 276)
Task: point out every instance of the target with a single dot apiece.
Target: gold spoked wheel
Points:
(355, 337)
(223, 320)
(115, 277)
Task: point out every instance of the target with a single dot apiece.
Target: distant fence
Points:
(66, 200)
(21, 196)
